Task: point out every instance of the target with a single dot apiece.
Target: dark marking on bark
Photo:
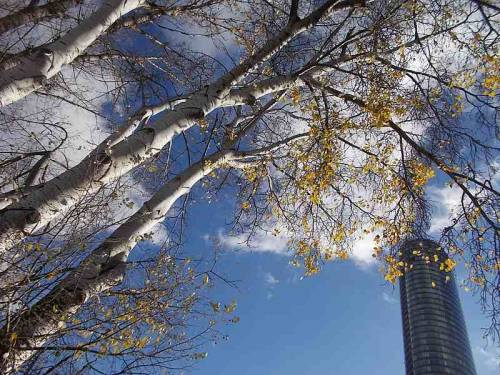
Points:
(102, 162)
(251, 100)
(40, 80)
(150, 131)
(33, 216)
(113, 262)
(102, 158)
(198, 114)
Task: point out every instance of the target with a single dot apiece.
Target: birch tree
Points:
(34, 13)
(327, 129)
(108, 163)
(30, 72)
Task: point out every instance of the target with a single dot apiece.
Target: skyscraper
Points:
(435, 337)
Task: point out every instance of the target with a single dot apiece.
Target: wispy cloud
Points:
(270, 279)
(495, 177)
(489, 357)
(388, 298)
(445, 200)
(266, 242)
(261, 242)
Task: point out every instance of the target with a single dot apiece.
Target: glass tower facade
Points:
(435, 337)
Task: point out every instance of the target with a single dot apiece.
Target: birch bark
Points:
(34, 14)
(104, 268)
(33, 70)
(107, 163)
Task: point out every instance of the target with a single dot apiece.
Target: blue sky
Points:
(345, 320)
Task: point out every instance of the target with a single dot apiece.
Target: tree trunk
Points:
(47, 61)
(34, 14)
(105, 163)
(102, 269)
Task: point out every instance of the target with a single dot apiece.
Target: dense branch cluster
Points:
(325, 120)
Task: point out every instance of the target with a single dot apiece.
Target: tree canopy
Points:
(323, 122)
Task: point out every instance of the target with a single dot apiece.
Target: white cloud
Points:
(445, 200)
(388, 298)
(495, 173)
(160, 235)
(266, 242)
(84, 128)
(362, 251)
(490, 358)
(270, 279)
(200, 39)
(262, 242)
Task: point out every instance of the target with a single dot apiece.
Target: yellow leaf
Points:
(343, 254)
(449, 265)
(206, 279)
(141, 343)
(203, 123)
(295, 94)
(215, 306)
(230, 308)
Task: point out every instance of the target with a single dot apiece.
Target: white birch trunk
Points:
(104, 268)
(34, 14)
(32, 71)
(111, 159)
(109, 162)
(33, 177)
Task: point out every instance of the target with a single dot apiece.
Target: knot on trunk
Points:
(43, 58)
(250, 100)
(102, 164)
(198, 114)
(149, 131)
(32, 216)
(103, 158)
